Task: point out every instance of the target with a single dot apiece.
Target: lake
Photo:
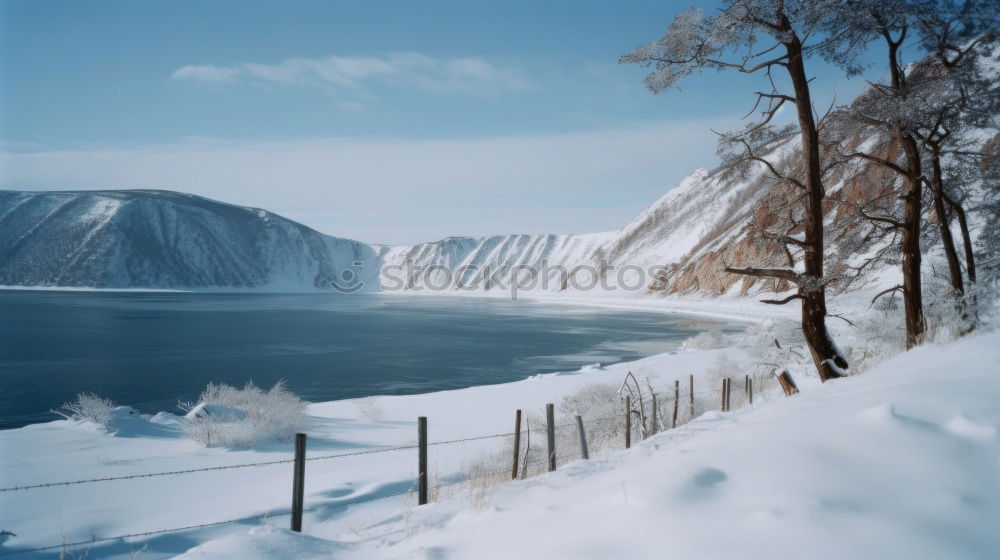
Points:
(150, 350)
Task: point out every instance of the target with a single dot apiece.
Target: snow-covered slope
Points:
(477, 261)
(161, 239)
(705, 213)
(899, 463)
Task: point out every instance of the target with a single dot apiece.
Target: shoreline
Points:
(724, 320)
(726, 307)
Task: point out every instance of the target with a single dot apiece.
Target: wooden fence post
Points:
(691, 397)
(422, 460)
(517, 443)
(722, 405)
(787, 383)
(583, 438)
(298, 482)
(628, 421)
(550, 417)
(653, 430)
(677, 398)
(750, 389)
(527, 447)
(729, 393)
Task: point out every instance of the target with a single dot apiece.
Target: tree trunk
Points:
(910, 244)
(813, 291)
(963, 224)
(913, 304)
(970, 261)
(944, 225)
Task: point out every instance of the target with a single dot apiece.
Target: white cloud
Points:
(354, 73)
(403, 191)
(206, 73)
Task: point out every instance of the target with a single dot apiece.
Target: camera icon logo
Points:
(348, 281)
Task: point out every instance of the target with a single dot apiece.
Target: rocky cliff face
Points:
(725, 214)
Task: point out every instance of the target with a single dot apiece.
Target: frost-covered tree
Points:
(770, 38)
(917, 113)
(956, 101)
(885, 109)
(989, 172)
(957, 96)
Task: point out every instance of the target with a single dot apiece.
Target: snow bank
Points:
(899, 463)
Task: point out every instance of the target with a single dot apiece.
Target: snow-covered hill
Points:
(477, 261)
(162, 239)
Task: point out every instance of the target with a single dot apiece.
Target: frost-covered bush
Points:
(950, 315)
(884, 333)
(225, 416)
(602, 410)
(88, 407)
(706, 340)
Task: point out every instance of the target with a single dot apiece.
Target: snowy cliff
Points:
(161, 239)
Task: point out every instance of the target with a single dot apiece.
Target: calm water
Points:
(151, 349)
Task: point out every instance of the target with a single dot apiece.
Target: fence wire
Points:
(245, 465)
(540, 430)
(498, 475)
(263, 517)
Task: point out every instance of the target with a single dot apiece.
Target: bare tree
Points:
(763, 37)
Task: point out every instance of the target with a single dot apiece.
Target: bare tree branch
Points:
(878, 160)
(880, 219)
(782, 273)
(783, 301)
(884, 292)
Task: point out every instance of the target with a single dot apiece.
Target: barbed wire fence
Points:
(558, 450)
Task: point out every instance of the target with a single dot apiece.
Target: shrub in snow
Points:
(601, 407)
(216, 412)
(950, 315)
(225, 416)
(884, 332)
(88, 407)
(706, 340)
(598, 403)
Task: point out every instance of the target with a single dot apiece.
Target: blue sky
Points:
(385, 121)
